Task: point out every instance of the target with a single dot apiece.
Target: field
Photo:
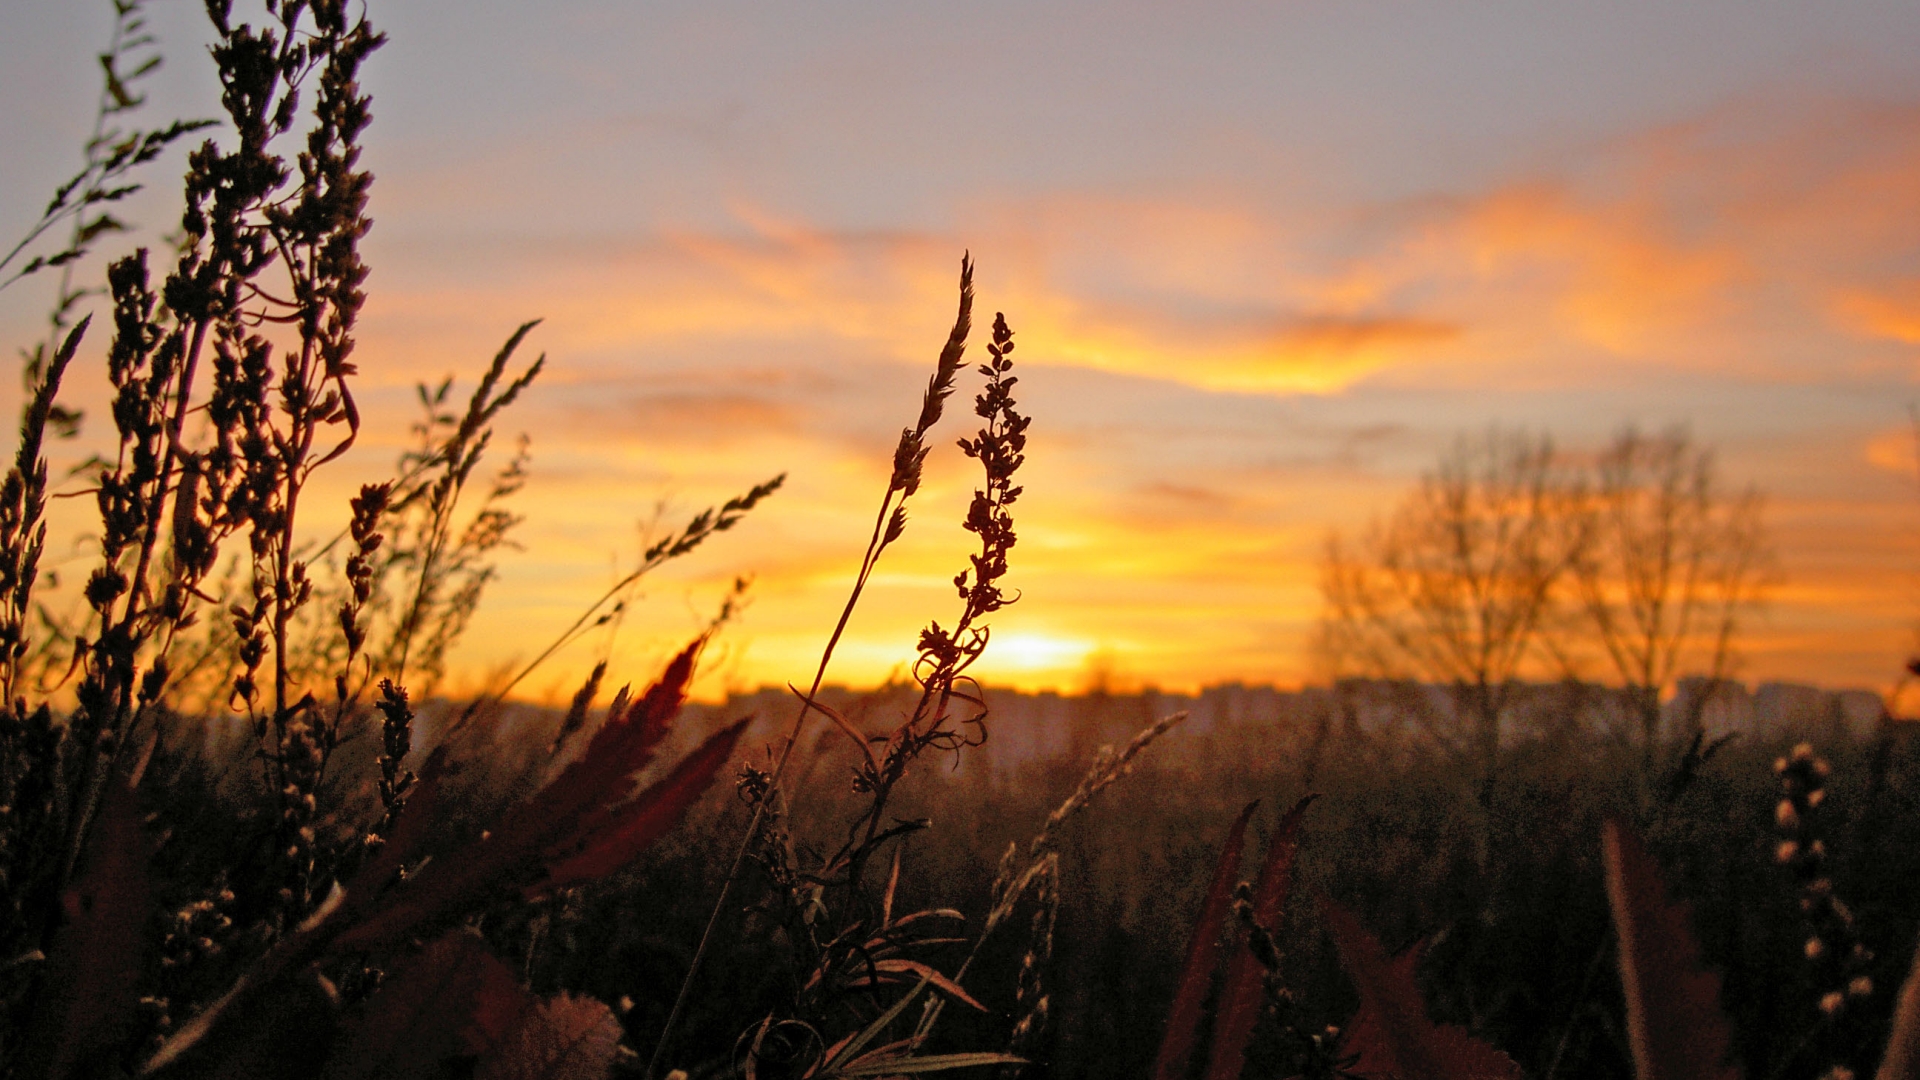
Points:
(1510, 903)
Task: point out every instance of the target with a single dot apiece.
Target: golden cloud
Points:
(1891, 312)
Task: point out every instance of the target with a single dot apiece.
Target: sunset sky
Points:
(1265, 262)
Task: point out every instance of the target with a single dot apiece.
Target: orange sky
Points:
(1256, 293)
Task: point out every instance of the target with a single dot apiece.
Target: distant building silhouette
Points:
(1312, 721)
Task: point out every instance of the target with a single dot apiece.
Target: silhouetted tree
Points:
(1669, 564)
(1455, 587)
(1507, 556)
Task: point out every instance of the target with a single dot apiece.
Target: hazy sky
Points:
(1265, 261)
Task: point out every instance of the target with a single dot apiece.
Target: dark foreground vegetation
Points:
(233, 843)
(1507, 907)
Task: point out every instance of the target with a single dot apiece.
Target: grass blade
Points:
(1244, 997)
(927, 974)
(1674, 1024)
(636, 824)
(909, 1066)
(1203, 954)
(1902, 1060)
(872, 1031)
(1391, 1035)
(94, 967)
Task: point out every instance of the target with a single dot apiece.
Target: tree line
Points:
(1512, 559)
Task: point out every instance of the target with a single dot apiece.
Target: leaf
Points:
(581, 821)
(562, 1038)
(1902, 1060)
(893, 884)
(908, 1066)
(1391, 1034)
(855, 1043)
(1245, 994)
(927, 974)
(94, 967)
(123, 99)
(1674, 1024)
(635, 825)
(283, 1034)
(579, 798)
(454, 998)
(105, 223)
(1183, 1019)
(928, 913)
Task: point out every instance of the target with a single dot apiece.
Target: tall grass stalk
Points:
(889, 523)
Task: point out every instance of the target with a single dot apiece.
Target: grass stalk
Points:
(888, 524)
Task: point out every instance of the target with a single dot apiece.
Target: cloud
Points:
(1151, 288)
(1891, 312)
(1611, 275)
(690, 418)
(1894, 451)
(1744, 243)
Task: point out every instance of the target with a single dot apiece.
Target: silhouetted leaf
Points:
(1183, 1019)
(105, 223)
(1902, 1060)
(1245, 994)
(93, 970)
(1674, 1024)
(630, 828)
(1391, 1035)
(455, 998)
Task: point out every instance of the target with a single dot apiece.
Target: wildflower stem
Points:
(887, 525)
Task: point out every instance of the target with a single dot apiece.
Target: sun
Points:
(1030, 653)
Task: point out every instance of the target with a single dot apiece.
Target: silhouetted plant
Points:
(252, 327)
(849, 944)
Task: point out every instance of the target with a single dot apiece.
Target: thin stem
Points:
(875, 544)
(696, 532)
(92, 777)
